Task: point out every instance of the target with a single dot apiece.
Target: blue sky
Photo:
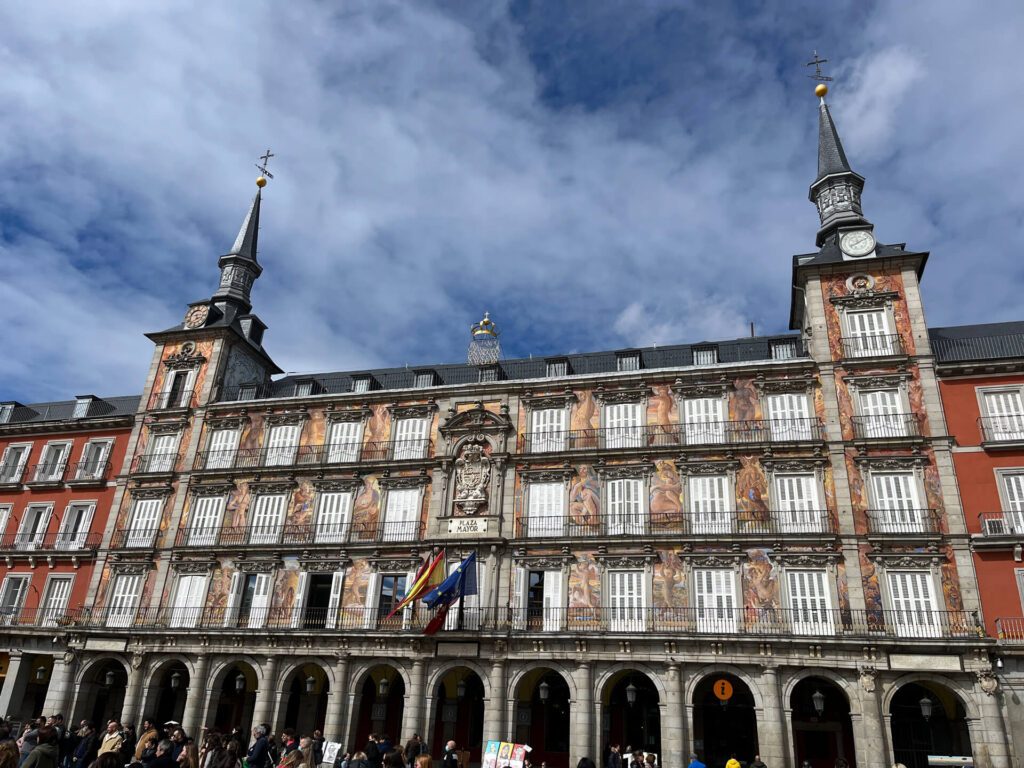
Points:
(596, 174)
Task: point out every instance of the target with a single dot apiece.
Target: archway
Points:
(381, 705)
(632, 716)
(459, 712)
(542, 716)
(36, 672)
(822, 729)
(724, 719)
(927, 719)
(101, 692)
(305, 704)
(168, 689)
(234, 697)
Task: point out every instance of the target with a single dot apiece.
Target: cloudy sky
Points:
(596, 174)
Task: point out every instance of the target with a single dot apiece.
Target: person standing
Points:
(373, 755)
(88, 744)
(413, 748)
(451, 757)
(258, 753)
(732, 762)
(45, 754)
(148, 732)
(318, 746)
(695, 763)
(615, 757)
(111, 739)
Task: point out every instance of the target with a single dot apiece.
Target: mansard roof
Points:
(63, 410)
(968, 343)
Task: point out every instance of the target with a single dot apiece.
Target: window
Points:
(790, 416)
(124, 599)
(424, 379)
(392, 590)
(625, 507)
(247, 392)
(344, 440)
(74, 527)
(5, 515)
(709, 507)
(223, 449)
(34, 521)
(545, 510)
(334, 513)
(626, 601)
(52, 463)
(12, 598)
(796, 501)
(304, 388)
(703, 420)
(913, 604)
(1013, 503)
(81, 408)
(556, 368)
(145, 521)
(545, 606)
(783, 350)
(869, 334)
(93, 465)
(55, 600)
(1004, 415)
(411, 439)
(489, 373)
(547, 430)
(705, 356)
(715, 593)
(809, 607)
(13, 463)
(896, 503)
(629, 361)
(402, 515)
(267, 519)
(361, 384)
(880, 414)
(623, 425)
(189, 599)
(177, 390)
(282, 443)
(249, 603)
(6, 411)
(162, 455)
(204, 526)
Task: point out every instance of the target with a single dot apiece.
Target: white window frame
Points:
(41, 476)
(867, 343)
(913, 620)
(1012, 521)
(401, 523)
(1001, 427)
(548, 429)
(722, 616)
(15, 475)
(784, 423)
(81, 407)
(625, 614)
(810, 614)
(903, 518)
(162, 460)
(554, 601)
(412, 437)
(185, 396)
(794, 515)
(698, 429)
(10, 616)
(884, 422)
(83, 473)
(785, 349)
(556, 369)
(540, 505)
(628, 362)
(625, 503)
(222, 447)
(620, 431)
(187, 615)
(212, 508)
(704, 519)
(51, 615)
(34, 539)
(144, 536)
(5, 516)
(334, 503)
(76, 539)
(279, 451)
(263, 504)
(122, 609)
(704, 356)
(343, 448)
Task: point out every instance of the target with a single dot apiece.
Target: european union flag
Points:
(461, 581)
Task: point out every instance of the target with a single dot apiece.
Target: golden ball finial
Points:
(820, 90)
(261, 182)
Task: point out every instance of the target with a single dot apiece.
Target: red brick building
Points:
(58, 464)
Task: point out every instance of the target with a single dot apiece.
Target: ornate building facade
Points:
(752, 546)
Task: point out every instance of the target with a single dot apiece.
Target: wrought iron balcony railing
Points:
(89, 472)
(306, 533)
(886, 426)
(676, 435)
(1010, 630)
(313, 455)
(46, 473)
(50, 542)
(155, 463)
(163, 401)
(1009, 523)
(1002, 429)
(903, 521)
(888, 345)
(11, 473)
(718, 523)
(134, 538)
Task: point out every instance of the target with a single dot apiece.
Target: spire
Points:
(831, 156)
(239, 267)
(248, 235)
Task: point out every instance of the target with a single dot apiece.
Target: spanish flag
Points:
(430, 574)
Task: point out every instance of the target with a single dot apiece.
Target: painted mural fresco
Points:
(752, 491)
(885, 281)
(843, 591)
(951, 582)
(585, 499)
(251, 439)
(378, 426)
(366, 509)
(761, 599)
(286, 590)
(204, 348)
(237, 509)
(220, 588)
(662, 407)
(670, 589)
(585, 411)
(584, 583)
(666, 500)
(357, 581)
(872, 588)
(300, 512)
(744, 404)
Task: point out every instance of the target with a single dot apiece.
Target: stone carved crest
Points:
(472, 475)
(988, 681)
(867, 679)
(186, 357)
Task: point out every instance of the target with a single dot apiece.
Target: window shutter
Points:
(372, 600)
(267, 519)
(626, 597)
(56, 603)
(411, 438)
(13, 598)
(797, 502)
(1005, 414)
(145, 521)
(401, 515)
(913, 604)
(1013, 486)
(881, 415)
(189, 598)
(34, 523)
(545, 510)
(708, 504)
(74, 528)
(234, 598)
(124, 600)
(518, 601)
(789, 416)
(548, 430)
(870, 333)
(704, 421)
(206, 516)
(334, 601)
(809, 602)
(623, 425)
(896, 500)
(282, 443)
(716, 600)
(259, 609)
(300, 600)
(554, 603)
(335, 512)
(162, 457)
(625, 507)
(223, 445)
(94, 456)
(344, 441)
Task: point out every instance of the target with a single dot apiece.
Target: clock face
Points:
(857, 243)
(196, 316)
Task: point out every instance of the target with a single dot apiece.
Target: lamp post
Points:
(176, 681)
(310, 684)
(543, 690)
(818, 699)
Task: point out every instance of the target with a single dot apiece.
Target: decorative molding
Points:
(689, 467)
(349, 414)
(701, 387)
(211, 489)
(288, 418)
(624, 471)
(400, 564)
(866, 299)
(882, 463)
(613, 397)
(257, 566)
(472, 477)
(323, 566)
(906, 559)
(184, 359)
(867, 679)
(543, 562)
(543, 402)
(226, 421)
(478, 420)
(351, 484)
(413, 411)
(794, 384)
(131, 568)
(794, 464)
(624, 561)
(272, 486)
(547, 475)
(711, 561)
(166, 427)
(879, 381)
(404, 482)
(807, 560)
(151, 492)
(194, 566)
(987, 681)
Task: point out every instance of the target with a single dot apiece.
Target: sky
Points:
(595, 174)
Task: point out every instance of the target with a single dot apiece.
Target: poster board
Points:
(504, 754)
(331, 750)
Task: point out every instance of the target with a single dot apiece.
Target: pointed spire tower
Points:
(239, 267)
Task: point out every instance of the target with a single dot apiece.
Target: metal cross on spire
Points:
(816, 63)
(263, 165)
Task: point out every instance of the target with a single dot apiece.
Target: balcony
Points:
(676, 435)
(903, 521)
(304, 534)
(313, 455)
(155, 463)
(889, 426)
(44, 617)
(731, 523)
(11, 474)
(25, 543)
(997, 524)
(169, 401)
(45, 475)
(1010, 630)
(134, 538)
(86, 473)
(861, 347)
(1002, 431)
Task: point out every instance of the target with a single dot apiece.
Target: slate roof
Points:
(62, 410)
(831, 156)
(989, 341)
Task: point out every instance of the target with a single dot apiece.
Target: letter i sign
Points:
(723, 690)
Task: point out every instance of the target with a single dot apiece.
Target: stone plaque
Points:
(100, 644)
(467, 526)
(920, 661)
(463, 650)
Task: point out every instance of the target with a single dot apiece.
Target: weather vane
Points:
(263, 166)
(816, 63)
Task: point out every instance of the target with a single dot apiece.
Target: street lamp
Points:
(382, 689)
(544, 690)
(926, 707)
(176, 681)
(818, 699)
(460, 689)
(631, 694)
(40, 673)
(240, 682)
(310, 684)
(110, 678)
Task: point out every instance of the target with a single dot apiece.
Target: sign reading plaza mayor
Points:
(504, 753)
(467, 525)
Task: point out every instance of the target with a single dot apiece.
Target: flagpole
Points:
(462, 599)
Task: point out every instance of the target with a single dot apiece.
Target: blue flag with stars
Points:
(462, 581)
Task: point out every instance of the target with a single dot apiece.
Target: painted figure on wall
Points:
(752, 490)
(238, 506)
(662, 410)
(220, 586)
(356, 584)
(252, 430)
(378, 426)
(760, 587)
(744, 404)
(872, 590)
(585, 498)
(366, 509)
(302, 505)
(584, 584)
(666, 497)
(670, 585)
(585, 417)
(843, 591)
(285, 593)
(951, 582)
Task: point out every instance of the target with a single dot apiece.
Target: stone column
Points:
(673, 735)
(494, 710)
(133, 691)
(872, 748)
(14, 685)
(991, 728)
(412, 711)
(196, 697)
(334, 726)
(266, 695)
(581, 715)
(61, 686)
(771, 738)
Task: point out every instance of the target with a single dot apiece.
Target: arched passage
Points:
(632, 710)
(724, 719)
(381, 705)
(233, 697)
(542, 716)
(459, 702)
(822, 729)
(305, 704)
(101, 692)
(166, 693)
(33, 681)
(927, 719)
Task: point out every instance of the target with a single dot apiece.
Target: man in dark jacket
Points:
(45, 754)
(413, 748)
(164, 755)
(614, 757)
(373, 755)
(258, 752)
(88, 745)
(451, 757)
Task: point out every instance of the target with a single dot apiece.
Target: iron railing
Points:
(306, 533)
(1010, 629)
(1002, 429)
(687, 523)
(675, 435)
(50, 542)
(89, 471)
(134, 538)
(155, 463)
(313, 455)
(1002, 523)
(11, 474)
(903, 521)
(886, 426)
(46, 472)
(887, 345)
(163, 401)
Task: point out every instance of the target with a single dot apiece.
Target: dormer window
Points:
(423, 379)
(705, 356)
(490, 373)
(306, 387)
(783, 350)
(556, 368)
(628, 361)
(81, 407)
(361, 384)
(6, 411)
